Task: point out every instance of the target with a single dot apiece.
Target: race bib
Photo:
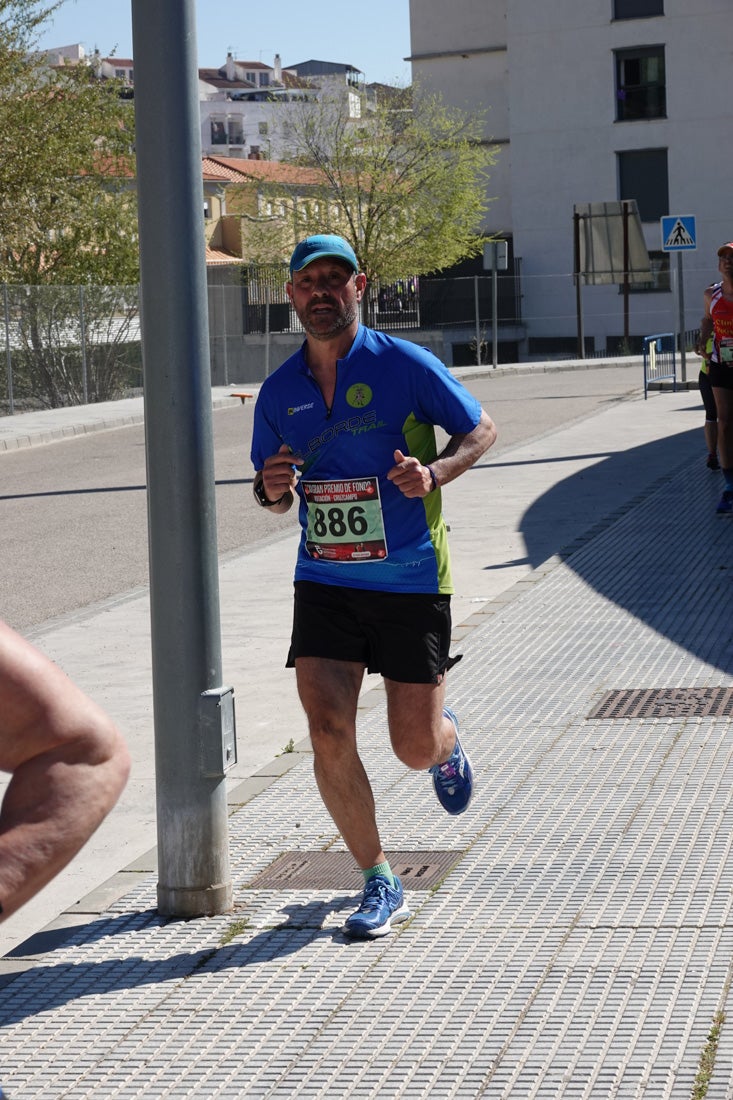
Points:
(726, 351)
(345, 521)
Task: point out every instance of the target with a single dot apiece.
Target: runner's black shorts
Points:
(403, 636)
(721, 375)
(708, 397)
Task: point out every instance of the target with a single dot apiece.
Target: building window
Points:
(640, 84)
(659, 264)
(642, 175)
(274, 209)
(262, 128)
(236, 134)
(637, 9)
(264, 80)
(218, 133)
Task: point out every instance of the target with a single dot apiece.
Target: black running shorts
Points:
(403, 636)
(721, 375)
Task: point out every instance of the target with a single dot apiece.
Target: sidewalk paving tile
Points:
(581, 946)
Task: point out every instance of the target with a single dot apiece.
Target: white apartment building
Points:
(242, 108)
(107, 68)
(246, 106)
(591, 101)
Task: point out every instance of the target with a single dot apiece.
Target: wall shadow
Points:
(50, 985)
(666, 557)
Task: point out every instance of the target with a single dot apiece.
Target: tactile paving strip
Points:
(714, 702)
(581, 946)
(337, 870)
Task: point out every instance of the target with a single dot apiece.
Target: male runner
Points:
(347, 425)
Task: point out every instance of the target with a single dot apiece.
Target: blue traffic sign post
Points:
(679, 235)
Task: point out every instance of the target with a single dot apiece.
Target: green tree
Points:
(68, 221)
(407, 187)
(67, 196)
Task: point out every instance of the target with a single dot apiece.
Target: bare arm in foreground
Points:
(69, 766)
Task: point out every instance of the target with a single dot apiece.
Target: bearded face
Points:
(325, 298)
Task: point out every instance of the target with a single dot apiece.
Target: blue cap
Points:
(319, 247)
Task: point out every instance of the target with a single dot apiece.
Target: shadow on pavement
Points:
(672, 567)
(108, 489)
(47, 987)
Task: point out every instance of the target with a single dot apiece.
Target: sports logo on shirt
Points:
(355, 425)
(359, 395)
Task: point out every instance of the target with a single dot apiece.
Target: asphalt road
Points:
(73, 520)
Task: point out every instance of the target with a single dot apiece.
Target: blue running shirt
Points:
(357, 528)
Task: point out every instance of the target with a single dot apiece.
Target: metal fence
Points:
(69, 345)
(660, 359)
(410, 302)
(468, 309)
(266, 307)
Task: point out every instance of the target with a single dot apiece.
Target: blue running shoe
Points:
(380, 906)
(453, 780)
(725, 506)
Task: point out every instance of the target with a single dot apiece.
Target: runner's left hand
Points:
(410, 476)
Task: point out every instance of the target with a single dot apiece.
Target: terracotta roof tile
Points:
(221, 256)
(292, 80)
(233, 169)
(217, 79)
(225, 168)
(275, 171)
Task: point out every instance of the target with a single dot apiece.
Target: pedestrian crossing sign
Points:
(678, 233)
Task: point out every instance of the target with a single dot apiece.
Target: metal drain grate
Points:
(714, 702)
(337, 870)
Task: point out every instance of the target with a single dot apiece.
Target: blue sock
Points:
(379, 869)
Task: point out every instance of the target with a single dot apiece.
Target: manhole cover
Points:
(337, 870)
(714, 702)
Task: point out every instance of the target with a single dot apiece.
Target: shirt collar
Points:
(355, 347)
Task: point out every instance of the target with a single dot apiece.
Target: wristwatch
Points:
(259, 491)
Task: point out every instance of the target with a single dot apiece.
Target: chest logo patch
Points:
(359, 395)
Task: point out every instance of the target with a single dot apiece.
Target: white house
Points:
(107, 68)
(245, 104)
(591, 101)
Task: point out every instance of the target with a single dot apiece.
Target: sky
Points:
(374, 37)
